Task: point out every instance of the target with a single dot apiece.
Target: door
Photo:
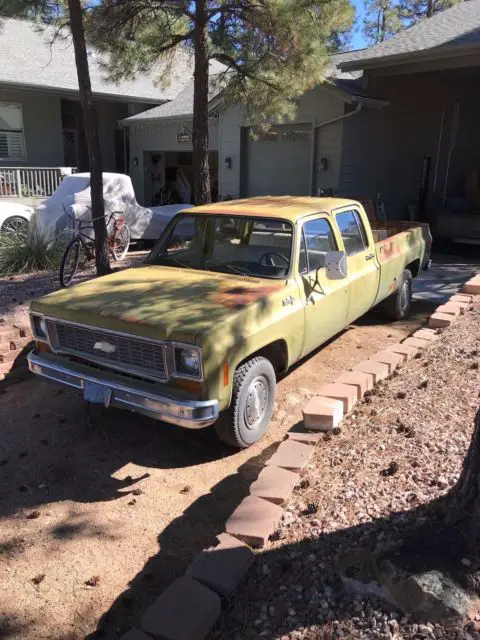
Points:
(363, 268)
(325, 301)
(278, 161)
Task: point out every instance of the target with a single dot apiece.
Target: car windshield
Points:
(228, 244)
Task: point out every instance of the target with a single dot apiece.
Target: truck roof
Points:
(287, 207)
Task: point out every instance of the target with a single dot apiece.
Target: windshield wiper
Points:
(177, 261)
(227, 267)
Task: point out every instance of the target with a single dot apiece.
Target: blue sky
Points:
(358, 41)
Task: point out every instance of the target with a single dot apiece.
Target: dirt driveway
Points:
(98, 516)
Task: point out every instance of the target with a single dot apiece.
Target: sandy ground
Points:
(384, 475)
(98, 515)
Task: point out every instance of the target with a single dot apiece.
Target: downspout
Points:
(344, 116)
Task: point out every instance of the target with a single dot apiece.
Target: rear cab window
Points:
(353, 232)
(317, 240)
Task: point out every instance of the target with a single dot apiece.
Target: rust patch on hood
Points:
(237, 297)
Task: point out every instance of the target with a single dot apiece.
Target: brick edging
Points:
(191, 605)
(13, 342)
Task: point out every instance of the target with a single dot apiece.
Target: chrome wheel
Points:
(15, 224)
(405, 295)
(257, 402)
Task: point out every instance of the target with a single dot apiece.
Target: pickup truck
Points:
(232, 295)
(71, 202)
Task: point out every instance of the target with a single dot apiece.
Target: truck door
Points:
(363, 267)
(326, 301)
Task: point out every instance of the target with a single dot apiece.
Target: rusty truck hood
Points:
(163, 303)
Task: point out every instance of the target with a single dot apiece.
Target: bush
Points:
(29, 251)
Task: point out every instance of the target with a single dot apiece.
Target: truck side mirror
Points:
(336, 265)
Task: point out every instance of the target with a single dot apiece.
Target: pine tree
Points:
(413, 10)
(382, 20)
(69, 16)
(272, 50)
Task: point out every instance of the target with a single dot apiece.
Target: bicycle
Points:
(81, 249)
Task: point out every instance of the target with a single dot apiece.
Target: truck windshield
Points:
(238, 244)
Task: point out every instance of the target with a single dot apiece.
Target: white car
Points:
(71, 203)
(14, 217)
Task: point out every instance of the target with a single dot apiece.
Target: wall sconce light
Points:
(228, 162)
(135, 162)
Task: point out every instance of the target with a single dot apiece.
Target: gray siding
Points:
(383, 150)
(42, 126)
(316, 106)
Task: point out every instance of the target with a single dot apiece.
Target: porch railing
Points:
(31, 182)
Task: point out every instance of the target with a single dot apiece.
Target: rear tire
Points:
(121, 242)
(253, 397)
(69, 264)
(398, 305)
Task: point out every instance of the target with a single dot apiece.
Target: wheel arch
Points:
(276, 352)
(414, 267)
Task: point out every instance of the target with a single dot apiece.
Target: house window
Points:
(12, 141)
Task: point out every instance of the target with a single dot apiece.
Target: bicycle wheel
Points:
(120, 242)
(73, 262)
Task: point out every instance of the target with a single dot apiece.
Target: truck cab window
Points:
(352, 231)
(317, 241)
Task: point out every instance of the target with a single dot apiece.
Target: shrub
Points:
(32, 250)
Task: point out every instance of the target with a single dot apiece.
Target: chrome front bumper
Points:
(184, 413)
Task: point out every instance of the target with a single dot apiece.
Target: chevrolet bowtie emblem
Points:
(106, 347)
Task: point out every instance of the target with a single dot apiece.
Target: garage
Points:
(277, 162)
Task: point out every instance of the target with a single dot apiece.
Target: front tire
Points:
(253, 397)
(69, 264)
(398, 305)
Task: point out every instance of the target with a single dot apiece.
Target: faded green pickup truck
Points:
(231, 296)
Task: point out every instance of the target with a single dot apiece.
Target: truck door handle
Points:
(370, 256)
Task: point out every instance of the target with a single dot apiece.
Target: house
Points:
(398, 120)
(40, 118)
(298, 157)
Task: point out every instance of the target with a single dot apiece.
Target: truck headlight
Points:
(187, 362)
(39, 327)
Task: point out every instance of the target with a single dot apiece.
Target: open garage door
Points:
(278, 162)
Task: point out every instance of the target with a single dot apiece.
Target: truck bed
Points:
(398, 245)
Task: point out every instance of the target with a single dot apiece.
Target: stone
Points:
(461, 297)
(222, 568)
(25, 330)
(135, 634)
(451, 308)
(363, 381)
(472, 287)
(274, 484)
(322, 413)
(347, 394)
(404, 350)
(440, 320)
(304, 436)
(379, 370)
(254, 520)
(291, 455)
(185, 611)
(418, 343)
(463, 306)
(426, 334)
(390, 358)
(8, 333)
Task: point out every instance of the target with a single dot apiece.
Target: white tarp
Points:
(71, 203)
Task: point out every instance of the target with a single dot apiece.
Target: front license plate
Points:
(96, 393)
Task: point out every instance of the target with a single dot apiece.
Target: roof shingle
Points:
(457, 26)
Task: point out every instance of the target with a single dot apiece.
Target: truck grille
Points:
(131, 354)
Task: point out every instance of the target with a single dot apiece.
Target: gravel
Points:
(16, 292)
(398, 453)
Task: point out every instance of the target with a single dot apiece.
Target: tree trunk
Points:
(91, 135)
(201, 171)
(429, 8)
(464, 506)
